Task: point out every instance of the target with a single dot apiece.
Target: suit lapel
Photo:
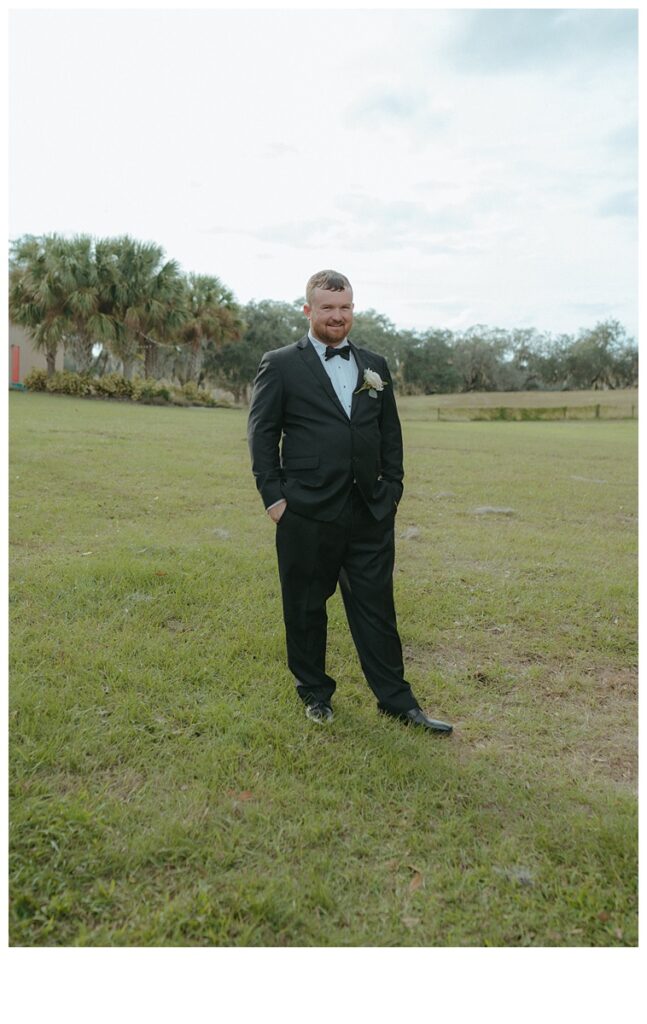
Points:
(313, 362)
(361, 366)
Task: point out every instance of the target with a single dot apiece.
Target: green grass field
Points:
(166, 788)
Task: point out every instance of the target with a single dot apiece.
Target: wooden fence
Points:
(506, 413)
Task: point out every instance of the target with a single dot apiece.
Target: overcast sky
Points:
(460, 167)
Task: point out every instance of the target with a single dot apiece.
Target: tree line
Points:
(119, 299)
(119, 304)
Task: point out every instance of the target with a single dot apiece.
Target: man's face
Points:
(330, 315)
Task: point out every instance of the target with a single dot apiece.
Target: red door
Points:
(15, 364)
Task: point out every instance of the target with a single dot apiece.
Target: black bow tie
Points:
(343, 352)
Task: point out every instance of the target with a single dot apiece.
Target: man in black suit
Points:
(326, 447)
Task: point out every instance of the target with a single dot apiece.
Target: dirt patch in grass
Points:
(616, 761)
(619, 682)
(599, 706)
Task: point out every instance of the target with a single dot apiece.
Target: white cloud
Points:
(620, 204)
(526, 40)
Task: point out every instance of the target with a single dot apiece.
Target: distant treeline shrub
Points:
(441, 361)
(498, 413)
(113, 385)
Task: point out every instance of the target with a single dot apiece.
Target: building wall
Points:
(28, 357)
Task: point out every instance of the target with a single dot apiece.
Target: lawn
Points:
(166, 787)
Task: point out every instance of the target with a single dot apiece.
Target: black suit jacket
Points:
(304, 447)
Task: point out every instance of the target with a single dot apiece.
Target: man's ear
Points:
(307, 310)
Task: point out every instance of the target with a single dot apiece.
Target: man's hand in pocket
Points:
(276, 511)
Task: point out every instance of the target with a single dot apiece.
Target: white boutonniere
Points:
(372, 383)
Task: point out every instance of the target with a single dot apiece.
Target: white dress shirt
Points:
(342, 372)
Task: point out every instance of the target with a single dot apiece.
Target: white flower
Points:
(373, 380)
(372, 383)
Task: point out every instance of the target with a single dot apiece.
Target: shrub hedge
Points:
(113, 385)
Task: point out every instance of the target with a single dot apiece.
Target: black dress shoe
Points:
(416, 716)
(319, 712)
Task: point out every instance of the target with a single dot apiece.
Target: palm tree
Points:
(143, 295)
(213, 318)
(54, 293)
(120, 292)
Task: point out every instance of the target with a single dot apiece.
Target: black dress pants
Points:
(357, 552)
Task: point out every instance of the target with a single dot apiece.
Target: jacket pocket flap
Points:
(302, 462)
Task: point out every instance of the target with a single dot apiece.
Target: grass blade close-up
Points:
(166, 787)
